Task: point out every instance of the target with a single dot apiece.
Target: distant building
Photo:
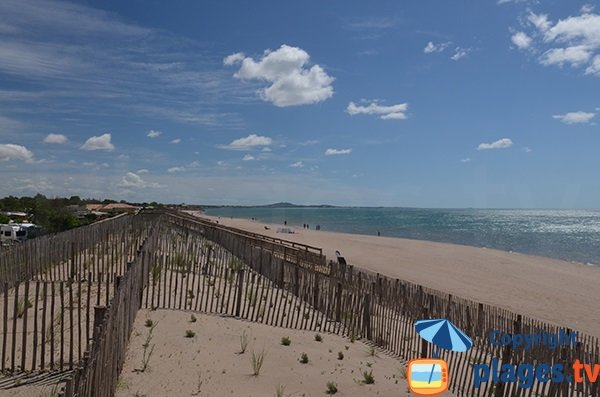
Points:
(79, 211)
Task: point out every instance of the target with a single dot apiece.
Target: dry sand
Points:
(209, 364)
(564, 293)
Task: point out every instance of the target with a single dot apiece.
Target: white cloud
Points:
(297, 164)
(291, 81)
(594, 67)
(527, 149)
(9, 151)
(575, 117)
(143, 171)
(460, 53)
(431, 47)
(132, 180)
(175, 141)
(587, 8)
(249, 142)
(176, 169)
(101, 142)
(521, 40)
(55, 138)
(540, 21)
(465, 160)
(153, 134)
(573, 41)
(392, 112)
(248, 157)
(575, 55)
(234, 58)
(335, 152)
(499, 144)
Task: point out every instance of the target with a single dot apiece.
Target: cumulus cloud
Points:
(9, 151)
(248, 157)
(55, 138)
(575, 55)
(101, 142)
(132, 180)
(297, 164)
(153, 134)
(234, 58)
(292, 81)
(499, 144)
(336, 152)
(432, 47)
(173, 170)
(392, 112)
(143, 171)
(175, 141)
(251, 141)
(575, 117)
(573, 41)
(465, 160)
(521, 40)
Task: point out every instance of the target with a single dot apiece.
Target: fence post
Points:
(240, 285)
(296, 280)
(367, 317)
(338, 302)
(72, 275)
(281, 275)
(424, 343)
(99, 314)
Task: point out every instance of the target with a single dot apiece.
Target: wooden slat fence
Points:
(47, 320)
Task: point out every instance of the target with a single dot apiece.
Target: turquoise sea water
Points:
(572, 235)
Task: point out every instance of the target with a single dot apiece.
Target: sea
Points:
(572, 235)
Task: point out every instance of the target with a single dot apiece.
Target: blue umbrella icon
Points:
(443, 334)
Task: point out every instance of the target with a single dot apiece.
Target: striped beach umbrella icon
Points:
(443, 334)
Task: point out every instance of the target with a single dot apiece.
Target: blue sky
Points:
(422, 103)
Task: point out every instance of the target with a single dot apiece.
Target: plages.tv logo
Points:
(430, 376)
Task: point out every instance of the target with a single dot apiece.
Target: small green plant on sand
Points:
(243, 342)
(286, 341)
(331, 388)
(279, 390)
(368, 377)
(148, 323)
(189, 333)
(318, 338)
(148, 349)
(372, 352)
(257, 361)
(304, 358)
(340, 356)
(193, 319)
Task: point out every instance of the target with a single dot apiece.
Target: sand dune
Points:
(564, 293)
(209, 364)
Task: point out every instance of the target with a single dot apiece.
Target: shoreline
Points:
(561, 292)
(587, 262)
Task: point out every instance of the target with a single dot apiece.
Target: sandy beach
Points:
(556, 291)
(210, 363)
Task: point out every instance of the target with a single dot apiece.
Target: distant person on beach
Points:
(378, 233)
(285, 222)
